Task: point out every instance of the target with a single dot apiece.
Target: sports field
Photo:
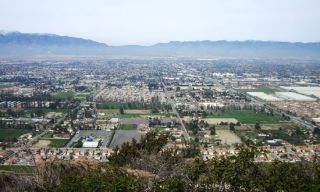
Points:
(247, 116)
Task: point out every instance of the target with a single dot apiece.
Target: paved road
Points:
(173, 106)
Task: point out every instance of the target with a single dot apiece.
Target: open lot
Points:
(10, 133)
(42, 143)
(247, 116)
(228, 137)
(54, 143)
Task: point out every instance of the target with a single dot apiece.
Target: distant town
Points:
(83, 108)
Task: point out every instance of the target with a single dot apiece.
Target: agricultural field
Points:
(63, 95)
(11, 133)
(248, 116)
(267, 90)
(20, 169)
(128, 126)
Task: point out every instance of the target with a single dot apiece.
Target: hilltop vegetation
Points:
(150, 166)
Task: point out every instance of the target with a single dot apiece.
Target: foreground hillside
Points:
(151, 166)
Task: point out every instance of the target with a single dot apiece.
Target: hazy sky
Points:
(118, 22)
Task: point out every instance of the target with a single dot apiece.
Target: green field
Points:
(57, 143)
(247, 116)
(63, 95)
(128, 126)
(21, 169)
(267, 90)
(10, 133)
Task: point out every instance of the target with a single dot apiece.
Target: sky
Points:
(146, 22)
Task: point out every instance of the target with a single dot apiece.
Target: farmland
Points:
(260, 89)
(247, 116)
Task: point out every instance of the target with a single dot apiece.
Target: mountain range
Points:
(32, 44)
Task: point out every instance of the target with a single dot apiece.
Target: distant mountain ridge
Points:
(45, 39)
(28, 44)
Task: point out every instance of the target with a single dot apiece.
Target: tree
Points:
(257, 126)
(232, 127)
(212, 130)
(121, 110)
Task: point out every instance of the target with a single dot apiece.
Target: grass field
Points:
(5, 133)
(128, 126)
(57, 143)
(21, 169)
(267, 90)
(247, 116)
(63, 95)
